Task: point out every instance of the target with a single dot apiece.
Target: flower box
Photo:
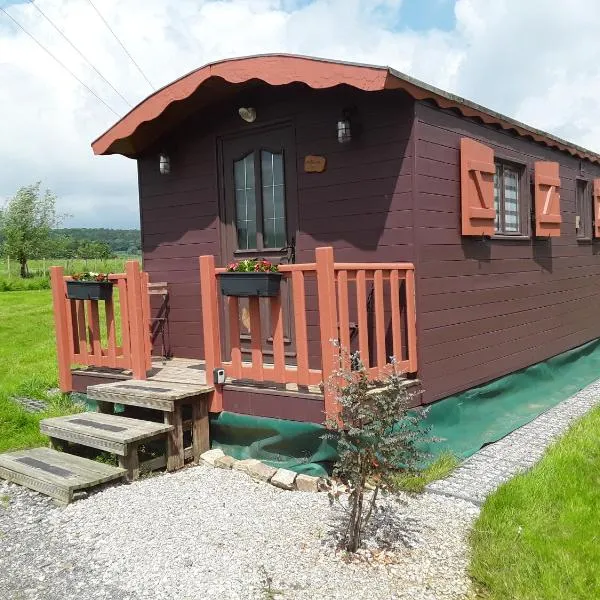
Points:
(89, 290)
(247, 284)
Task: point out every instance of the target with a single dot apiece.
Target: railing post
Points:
(64, 345)
(328, 325)
(210, 327)
(411, 321)
(136, 319)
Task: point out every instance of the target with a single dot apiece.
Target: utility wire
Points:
(78, 51)
(121, 44)
(89, 89)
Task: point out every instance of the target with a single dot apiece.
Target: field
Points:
(536, 538)
(27, 366)
(39, 270)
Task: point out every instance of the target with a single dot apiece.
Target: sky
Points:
(536, 61)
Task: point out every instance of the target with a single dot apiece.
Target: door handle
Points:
(290, 250)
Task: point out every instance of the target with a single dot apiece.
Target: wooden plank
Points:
(200, 428)
(256, 339)
(344, 317)
(379, 319)
(111, 337)
(64, 339)
(299, 304)
(278, 347)
(124, 310)
(137, 330)
(396, 315)
(94, 331)
(411, 321)
(175, 450)
(361, 311)
(233, 307)
(82, 332)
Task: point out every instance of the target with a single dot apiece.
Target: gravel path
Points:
(206, 533)
(483, 472)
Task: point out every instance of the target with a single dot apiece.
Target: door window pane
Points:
(273, 200)
(245, 202)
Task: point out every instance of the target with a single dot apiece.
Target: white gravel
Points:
(206, 533)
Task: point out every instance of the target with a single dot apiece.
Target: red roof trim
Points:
(282, 69)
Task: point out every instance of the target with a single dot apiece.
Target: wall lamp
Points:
(344, 129)
(164, 164)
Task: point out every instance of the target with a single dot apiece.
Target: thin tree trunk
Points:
(24, 270)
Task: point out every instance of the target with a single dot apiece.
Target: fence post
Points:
(137, 331)
(210, 327)
(63, 343)
(328, 325)
(411, 321)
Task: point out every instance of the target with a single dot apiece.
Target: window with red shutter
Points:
(596, 205)
(477, 171)
(547, 199)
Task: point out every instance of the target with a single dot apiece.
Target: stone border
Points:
(259, 471)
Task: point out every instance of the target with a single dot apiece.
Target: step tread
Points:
(153, 394)
(114, 428)
(54, 473)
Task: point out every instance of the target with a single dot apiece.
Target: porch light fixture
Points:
(248, 114)
(164, 164)
(344, 132)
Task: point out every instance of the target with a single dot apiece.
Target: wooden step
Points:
(158, 395)
(103, 431)
(55, 474)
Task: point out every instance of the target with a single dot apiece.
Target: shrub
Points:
(378, 437)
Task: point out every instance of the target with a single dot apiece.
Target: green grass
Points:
(27, 366)
(537, 537)
(440, 468)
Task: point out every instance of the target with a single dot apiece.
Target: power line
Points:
(89, 89)
(121, 44)
(78, 51)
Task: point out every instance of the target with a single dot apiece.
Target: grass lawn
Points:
(27, 365)
(537, 537)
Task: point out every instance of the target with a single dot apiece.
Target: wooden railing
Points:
(372, 302)
(116, 337)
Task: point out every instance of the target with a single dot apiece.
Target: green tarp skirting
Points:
(464, 422)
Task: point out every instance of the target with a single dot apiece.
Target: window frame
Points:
(588, 210)
(524, 200)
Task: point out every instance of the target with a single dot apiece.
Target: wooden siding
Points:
(488, 308)
(361, 204)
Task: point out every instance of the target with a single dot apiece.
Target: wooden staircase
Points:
(172, 412)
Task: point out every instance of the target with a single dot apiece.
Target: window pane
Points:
(583, 212)
(497, 204)
(273, 199)
(245, 202)
(511, 201)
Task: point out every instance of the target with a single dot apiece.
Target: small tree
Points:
(377, 435)
(26, 223)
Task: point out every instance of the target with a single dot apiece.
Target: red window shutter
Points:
(547, 199)
(597, 208)
(477, 188)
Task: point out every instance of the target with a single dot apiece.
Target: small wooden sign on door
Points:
(314, 164)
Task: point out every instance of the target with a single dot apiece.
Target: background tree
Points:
(26, 223)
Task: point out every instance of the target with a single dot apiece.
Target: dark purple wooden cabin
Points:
(500, 220)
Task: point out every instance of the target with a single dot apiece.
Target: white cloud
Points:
(533, 60)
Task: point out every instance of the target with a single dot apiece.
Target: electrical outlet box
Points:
(219, 376)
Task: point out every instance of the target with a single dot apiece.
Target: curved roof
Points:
(133, 132)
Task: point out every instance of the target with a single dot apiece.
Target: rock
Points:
(225, 462)
(261, 471)
(307, 483)
(245, 464)
(284, 478)
(210, 456)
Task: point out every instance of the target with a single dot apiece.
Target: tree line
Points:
(30, 229)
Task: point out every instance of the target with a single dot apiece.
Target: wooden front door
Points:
(260, 214)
